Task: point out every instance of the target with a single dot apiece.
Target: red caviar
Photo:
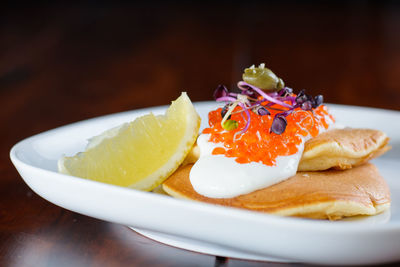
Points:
(258, 144)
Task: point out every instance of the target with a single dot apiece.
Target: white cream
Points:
(217, 176)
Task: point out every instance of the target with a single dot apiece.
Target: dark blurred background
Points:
(74, 61)
(64, 62)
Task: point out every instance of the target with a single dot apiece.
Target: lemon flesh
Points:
(140, 154)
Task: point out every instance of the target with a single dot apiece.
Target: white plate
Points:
(358, 241)
(203, 247)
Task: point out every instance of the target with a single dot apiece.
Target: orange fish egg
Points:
(258, 144)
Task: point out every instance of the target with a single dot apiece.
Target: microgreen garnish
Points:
(221, 91)
(224, 111)
(279, 124)
(260, 110)
(253, 99)
(230, 125)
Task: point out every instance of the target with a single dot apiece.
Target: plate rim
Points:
(301, 228)
(304, 222)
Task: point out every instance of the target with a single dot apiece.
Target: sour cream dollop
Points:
(218, 176)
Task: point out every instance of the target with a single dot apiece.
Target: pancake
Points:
(342, 149)
(330, 194)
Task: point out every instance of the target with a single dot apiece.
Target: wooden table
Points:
(64, 63)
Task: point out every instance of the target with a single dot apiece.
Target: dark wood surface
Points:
(63, 63)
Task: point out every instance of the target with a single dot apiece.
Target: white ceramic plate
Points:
(204, 247)
(251, 234)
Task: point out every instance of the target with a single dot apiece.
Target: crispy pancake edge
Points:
(367, 195)
(343, 149)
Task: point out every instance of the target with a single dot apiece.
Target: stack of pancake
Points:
(334, 180)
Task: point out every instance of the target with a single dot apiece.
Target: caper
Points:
(262, 78)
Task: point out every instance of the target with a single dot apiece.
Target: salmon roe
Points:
(258, 144)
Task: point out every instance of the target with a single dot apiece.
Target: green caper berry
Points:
(262, 78)
(280, 84)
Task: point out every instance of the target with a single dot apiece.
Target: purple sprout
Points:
(254, 99)
(278, 124)
(221, 91)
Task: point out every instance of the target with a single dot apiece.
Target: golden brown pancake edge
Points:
(342, 149)
(330, 194)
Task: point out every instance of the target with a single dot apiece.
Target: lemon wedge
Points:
(140, 154)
